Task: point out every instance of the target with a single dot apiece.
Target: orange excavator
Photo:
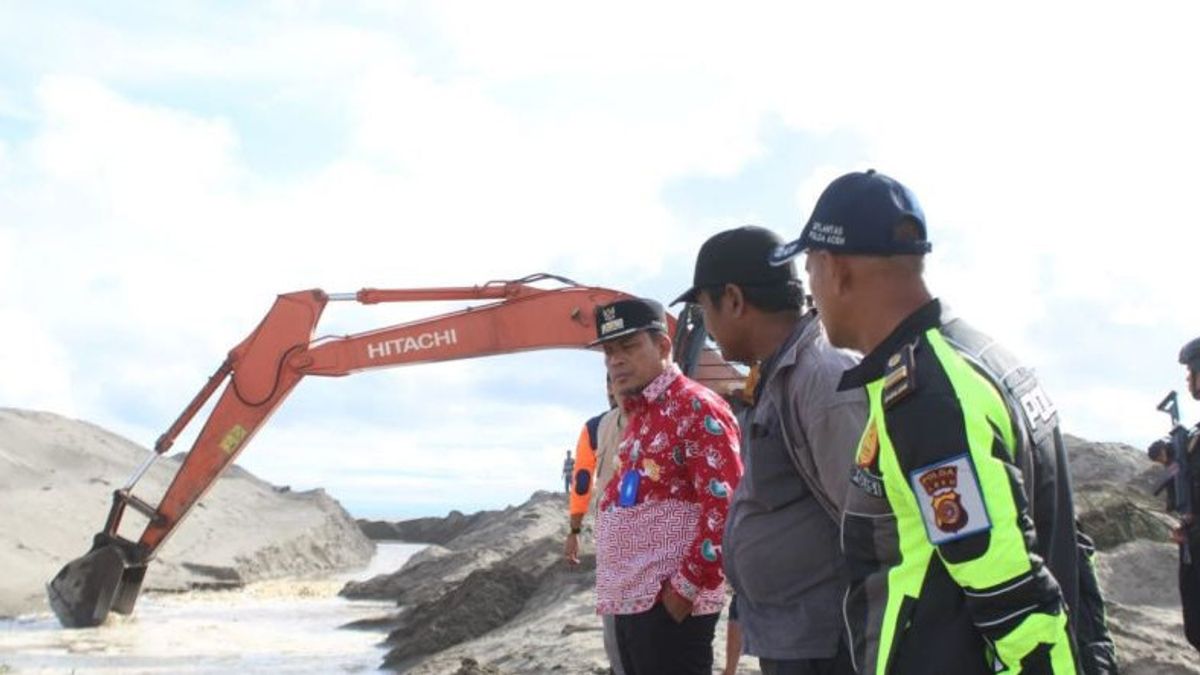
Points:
(260, 372)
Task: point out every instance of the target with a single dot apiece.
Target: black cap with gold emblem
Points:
(625, 317)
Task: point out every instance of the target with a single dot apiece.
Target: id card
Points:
(628, 494)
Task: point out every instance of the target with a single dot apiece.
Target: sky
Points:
(167, 169)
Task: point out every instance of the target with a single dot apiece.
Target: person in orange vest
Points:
(595, 464)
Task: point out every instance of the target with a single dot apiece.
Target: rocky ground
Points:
(56, 480)
(494, 596)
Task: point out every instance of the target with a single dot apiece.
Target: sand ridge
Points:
(56, 480)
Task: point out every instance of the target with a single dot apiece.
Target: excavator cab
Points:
(262, 370)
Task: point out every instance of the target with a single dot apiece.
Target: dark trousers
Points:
(652, 643)
(838, 665)
(1189, 593)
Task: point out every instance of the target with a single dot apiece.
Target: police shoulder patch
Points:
(950, 499)
(900, 376)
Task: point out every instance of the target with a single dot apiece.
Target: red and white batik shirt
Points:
(683, 441)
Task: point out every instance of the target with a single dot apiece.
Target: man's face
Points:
(1193, 382)
(819, 266)
(635, 360)
(722, 326)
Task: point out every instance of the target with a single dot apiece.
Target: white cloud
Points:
(11, 108)
(1121, 412)
(35, 367)
(137, 155)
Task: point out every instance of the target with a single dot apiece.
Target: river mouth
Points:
(278, 626)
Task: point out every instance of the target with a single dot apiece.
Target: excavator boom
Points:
(259, 373)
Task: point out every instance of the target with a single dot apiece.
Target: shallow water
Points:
(283, 626)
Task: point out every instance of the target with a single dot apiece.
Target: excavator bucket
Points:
(86, 589)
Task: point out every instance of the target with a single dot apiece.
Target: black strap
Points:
(593, 427)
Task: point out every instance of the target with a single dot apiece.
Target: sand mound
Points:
(56, 481)
(425, 530)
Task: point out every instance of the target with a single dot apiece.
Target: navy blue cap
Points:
(738, 256)
(625, 317)
(858, 214)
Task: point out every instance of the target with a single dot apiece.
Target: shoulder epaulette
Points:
(900, 376)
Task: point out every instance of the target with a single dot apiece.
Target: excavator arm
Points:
(259, 373)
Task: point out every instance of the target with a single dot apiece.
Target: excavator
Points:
(260, 372)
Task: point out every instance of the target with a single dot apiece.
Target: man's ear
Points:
(664, 346)
(735, 299)
(841, 274)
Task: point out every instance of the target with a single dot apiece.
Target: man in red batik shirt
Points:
(661, 518)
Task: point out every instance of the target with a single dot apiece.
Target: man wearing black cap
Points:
(781, 539)
(1188, 532)
(661, 519)
(960, 514)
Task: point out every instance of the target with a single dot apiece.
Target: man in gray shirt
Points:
(781, 547)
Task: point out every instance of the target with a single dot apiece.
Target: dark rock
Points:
(484, 601)
(489, 598)
(1113, 515)
(1114, 499)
